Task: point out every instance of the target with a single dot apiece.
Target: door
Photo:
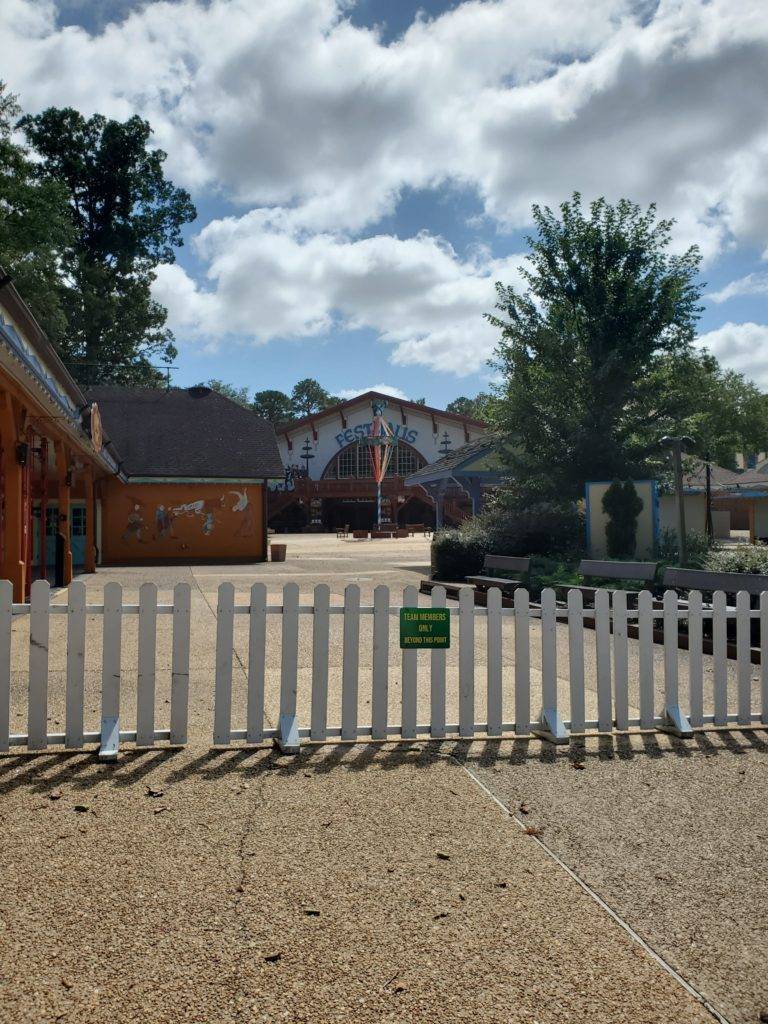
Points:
(77, 533)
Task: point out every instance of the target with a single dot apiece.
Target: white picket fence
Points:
(605, 673)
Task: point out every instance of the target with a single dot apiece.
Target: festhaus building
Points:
(328, 475)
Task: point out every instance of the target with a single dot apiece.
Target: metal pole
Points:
(708, 522)
(378, 504)
(682, 540)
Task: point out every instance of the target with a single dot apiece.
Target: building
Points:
(51, 455)
(472, 471)
(193, 472)
(328, 480)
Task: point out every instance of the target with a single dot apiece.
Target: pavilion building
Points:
(328, 481)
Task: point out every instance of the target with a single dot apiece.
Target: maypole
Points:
(382, 442)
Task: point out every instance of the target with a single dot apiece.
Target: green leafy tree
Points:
(477, 408)
(308, 396)
(606, 303)
(622, 504)
(35, 225)
(235, 394)
(127, 220)
(272, 405)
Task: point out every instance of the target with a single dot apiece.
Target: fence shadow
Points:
(42, 772)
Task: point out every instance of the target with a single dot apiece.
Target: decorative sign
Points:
(425, 627)
(365, 430)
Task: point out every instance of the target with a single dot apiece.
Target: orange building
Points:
(193, 469)
(51, 457)
(119, 475)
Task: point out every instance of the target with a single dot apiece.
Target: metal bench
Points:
(506, 563)
(643, 572)
(708, 582)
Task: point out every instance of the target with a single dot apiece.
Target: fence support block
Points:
(550, 727)
(674, 721)
(287, 738)
(110, 738)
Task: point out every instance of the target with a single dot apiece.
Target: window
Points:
(78, 520)
(354, 462)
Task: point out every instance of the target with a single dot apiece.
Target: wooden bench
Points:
(643, 572)
(343, 531)
(708, 582)
(506, 563)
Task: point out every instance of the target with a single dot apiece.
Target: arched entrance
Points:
(291, 519)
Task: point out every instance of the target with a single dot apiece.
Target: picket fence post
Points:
(112, 632)
(6, 621)
(180, 663)
(73, 737)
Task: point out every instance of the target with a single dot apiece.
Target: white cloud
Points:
(752, 284)
(384, 389)
(416, 293)
(318, 126)
(741, 347)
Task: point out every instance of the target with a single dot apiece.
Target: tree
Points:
(477, 408)
(308, 396)
(622, 504)
(127, 219)
(239, 395)
(272, 405)
(606, 304)
(35, 226)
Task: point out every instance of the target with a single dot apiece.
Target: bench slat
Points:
(493, 581)
(611, 570)
(729, 582)
(511, 563)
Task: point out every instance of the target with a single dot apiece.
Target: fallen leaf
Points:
(578, 765)
(154, 793)
(443, 913)
(160, 810)
(442, 856)
(67, 983)
(501, 885)
(271, 958)
(81, 808)
(311, 912)
(399, 988)
(524, 808)
(55, 794)
(533, 830)
(326, 824)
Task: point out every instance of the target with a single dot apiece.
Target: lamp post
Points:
(677, 445)
(308, 453)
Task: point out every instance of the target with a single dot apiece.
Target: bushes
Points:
(668, 550)
(622, 504)
(541, 528)
(459, 553)
(742, 558)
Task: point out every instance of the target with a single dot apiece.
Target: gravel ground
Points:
(348, 885)
(119, 913)
(672, 834)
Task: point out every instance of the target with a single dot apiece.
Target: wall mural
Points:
(205, 509)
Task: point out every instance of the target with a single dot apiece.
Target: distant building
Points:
(328, 481)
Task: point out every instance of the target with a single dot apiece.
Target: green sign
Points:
(425, 627)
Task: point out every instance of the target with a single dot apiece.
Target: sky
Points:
(364, 172)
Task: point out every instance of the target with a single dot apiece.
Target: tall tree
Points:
(477, 408)
(272, 405)
(606, 303)
(35, 226)
(308, 396)
(234, 394)
(127, 218)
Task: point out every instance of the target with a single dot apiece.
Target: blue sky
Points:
(364, 172)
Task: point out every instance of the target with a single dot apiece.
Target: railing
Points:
(321, 671)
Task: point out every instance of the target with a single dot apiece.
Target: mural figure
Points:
(202, 507)
(247, 526)
(164, 523)
(134, 524)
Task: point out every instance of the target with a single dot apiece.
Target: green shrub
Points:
(459, 553)
(542, 528)
(668, 550)
(622, 504)
(742, 558)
